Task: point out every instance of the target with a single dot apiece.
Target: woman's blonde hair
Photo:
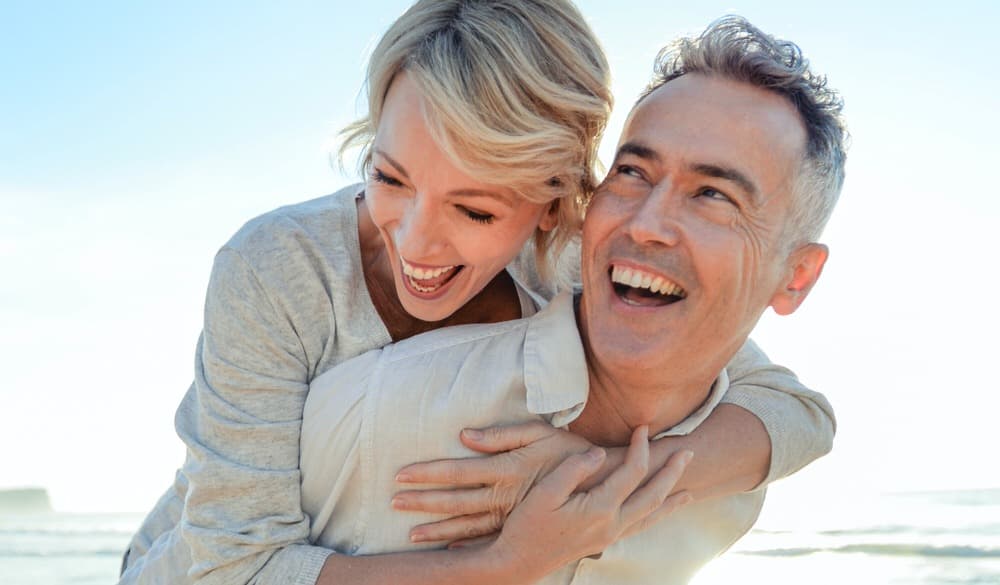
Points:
(517, 94)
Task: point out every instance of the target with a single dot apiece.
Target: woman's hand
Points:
(556, 524)
(487, 488)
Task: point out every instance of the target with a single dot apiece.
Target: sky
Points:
(135, 138)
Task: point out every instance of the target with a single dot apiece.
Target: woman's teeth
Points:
(639, 279)
(423, 273)
(426, 280)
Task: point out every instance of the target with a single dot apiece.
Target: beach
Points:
(923, 538)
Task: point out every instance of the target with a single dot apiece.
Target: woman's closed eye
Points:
(477, 216)
(379, 177)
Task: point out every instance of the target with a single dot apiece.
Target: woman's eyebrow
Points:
(501, 197)
(463, 192)
(399, 168)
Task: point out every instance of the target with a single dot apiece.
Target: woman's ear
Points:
(550, 217)
(805, 264)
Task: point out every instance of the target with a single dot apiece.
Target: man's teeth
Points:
(640, 279)
(423, 273)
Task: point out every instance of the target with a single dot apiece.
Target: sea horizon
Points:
(927, 537)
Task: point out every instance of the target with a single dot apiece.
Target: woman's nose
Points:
(420, 236)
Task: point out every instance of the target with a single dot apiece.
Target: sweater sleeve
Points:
(242, 520)
(799, 421)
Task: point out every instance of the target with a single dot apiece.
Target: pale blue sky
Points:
(136, 137)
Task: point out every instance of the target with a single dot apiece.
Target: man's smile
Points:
(641, 288)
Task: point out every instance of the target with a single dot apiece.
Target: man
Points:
(726, 172)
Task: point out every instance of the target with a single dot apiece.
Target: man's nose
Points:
(656, 220)
(419, 235)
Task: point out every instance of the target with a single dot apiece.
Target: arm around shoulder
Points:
(800, 422)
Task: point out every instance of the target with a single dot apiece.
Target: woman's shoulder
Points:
(300, 264)
(306, 254)
(321, 222)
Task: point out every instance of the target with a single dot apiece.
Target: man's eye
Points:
(715, 194)
(484, 218)
(380, 177)
(628, 170)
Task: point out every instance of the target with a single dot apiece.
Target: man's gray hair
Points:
(732, 48)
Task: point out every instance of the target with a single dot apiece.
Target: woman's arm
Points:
(799, 422)
(768, 426)
(242, 520)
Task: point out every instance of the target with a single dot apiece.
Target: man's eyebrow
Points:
(710, 170)
(399, 168)
(639, 150)
(729, 174)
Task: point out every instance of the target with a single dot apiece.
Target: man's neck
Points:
(618, 402)
(624, 396)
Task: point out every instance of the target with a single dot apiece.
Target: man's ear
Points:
(805, 264)
(550, 217)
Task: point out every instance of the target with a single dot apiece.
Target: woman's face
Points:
(447, 235)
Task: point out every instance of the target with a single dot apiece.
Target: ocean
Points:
(62, 549)
(921, 538)
(929, 538)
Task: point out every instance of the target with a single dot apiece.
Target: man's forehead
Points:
(713, 124)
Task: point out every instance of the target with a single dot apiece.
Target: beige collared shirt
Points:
(368, 417)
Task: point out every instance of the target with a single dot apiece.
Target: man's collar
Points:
(697, 417)
(555, 369)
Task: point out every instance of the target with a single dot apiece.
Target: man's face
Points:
(681, 243)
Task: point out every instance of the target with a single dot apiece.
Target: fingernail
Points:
(687, 499)
(687, 457)
(474, 434)
(595, 454)
(418, 537)
(399, 503)
(403, 477)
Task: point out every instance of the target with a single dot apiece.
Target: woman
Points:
(484, 118)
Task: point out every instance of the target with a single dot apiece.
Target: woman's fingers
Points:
(553, 490)
(506, 438)
(652, 500)
(453, 502)
(614, 490)
(468, 472)
(458, 528)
